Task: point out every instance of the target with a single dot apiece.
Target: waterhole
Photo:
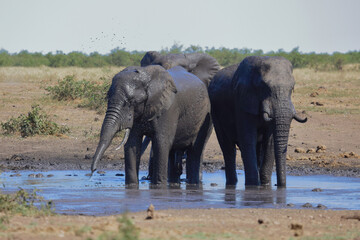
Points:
(106, 194)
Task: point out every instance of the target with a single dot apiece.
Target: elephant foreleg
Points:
(132, 157)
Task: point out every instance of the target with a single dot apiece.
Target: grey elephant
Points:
(200, 64)
(171, 107)
(251, 107)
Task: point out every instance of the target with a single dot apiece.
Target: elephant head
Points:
(263, 87)
(200, 64)
(137, 94)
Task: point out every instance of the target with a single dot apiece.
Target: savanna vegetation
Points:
(225, 56)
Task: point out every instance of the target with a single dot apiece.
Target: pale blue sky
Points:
(89, 25)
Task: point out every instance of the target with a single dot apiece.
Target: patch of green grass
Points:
(346, 235)
(202, 235)
(36, 122)
(81, 231)
(91, 94)
(23, 203)
(126, 231)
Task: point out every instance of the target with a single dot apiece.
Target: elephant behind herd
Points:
(173, 100)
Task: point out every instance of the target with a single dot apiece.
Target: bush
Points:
(36, 122)
(23, 203)
(93, 95)
(68, 89)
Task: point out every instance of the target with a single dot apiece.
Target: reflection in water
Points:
(257, 197)
(73, 193)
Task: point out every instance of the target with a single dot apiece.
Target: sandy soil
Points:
(326, 144)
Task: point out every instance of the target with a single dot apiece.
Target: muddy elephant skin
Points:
(171, 107)
(251, 107)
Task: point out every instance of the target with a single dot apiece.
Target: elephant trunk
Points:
(281, 137)
(110, 127)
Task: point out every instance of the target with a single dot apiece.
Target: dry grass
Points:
(333, 92)
(21, 87)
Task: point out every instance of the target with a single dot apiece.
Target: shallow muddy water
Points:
(105, 194)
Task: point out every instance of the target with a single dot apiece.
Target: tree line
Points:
(225, 57)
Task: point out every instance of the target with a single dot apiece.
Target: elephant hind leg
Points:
(229, 152)
(175, 166)
(195, 154)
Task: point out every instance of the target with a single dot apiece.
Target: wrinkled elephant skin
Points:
(251, 108)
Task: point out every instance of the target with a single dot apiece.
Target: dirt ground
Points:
(326, 144)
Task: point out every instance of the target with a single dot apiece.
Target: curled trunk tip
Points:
(299, 119)
(266, 117)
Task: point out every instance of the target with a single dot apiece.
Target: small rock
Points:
(16, 158)
(311, 150)
(298, 228)
(213, 184)
(350, 155)
(101, 172)
(317, 103)
(32, 175)
(317, 190)
(314, 94)
(299, 150)
(321, 149)
(96, 119)
(320, 206)
(87, 156)
(119, 175)
(322, 88)
(88, 175)
(50, 175)
(39, 175)
(260, 221)
(307, 205)
(290, 205)
(150, 212)
(15, 175)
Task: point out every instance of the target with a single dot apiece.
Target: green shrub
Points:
(23, 203)
(68, 89)
(36, 122)
(93, 95)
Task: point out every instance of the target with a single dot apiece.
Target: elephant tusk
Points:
(299, 119)
(127, 133)
(266, 117)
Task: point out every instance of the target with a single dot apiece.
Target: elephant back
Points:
(200, 64)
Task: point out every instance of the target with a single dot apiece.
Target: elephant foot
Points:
(231, 181)
(252, 182)
(132, 186)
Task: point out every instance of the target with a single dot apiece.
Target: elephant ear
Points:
(160, 90)
(203, 66)
(149, 58)
(246, 84)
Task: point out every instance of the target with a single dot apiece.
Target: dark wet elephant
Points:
(251, 107)
(200, 64)
(171, 107)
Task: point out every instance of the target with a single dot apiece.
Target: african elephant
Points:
(200, 64)
(251, 107)
(171, 107)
